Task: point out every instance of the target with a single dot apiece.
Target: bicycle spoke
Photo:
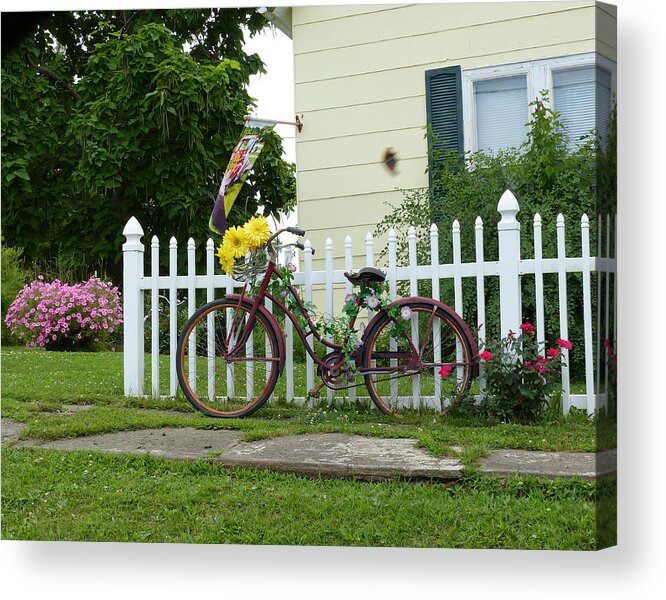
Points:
(428, 379)
(229, 384)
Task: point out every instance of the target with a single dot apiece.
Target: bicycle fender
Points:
(273, 321)
(444, 307)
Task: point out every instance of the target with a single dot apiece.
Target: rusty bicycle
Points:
(232, 351)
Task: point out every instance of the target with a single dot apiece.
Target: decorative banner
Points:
(240, 164)
(242, 159)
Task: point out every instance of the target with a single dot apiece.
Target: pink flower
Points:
(527, 327)
(444, 371)
(552, 352)
(528, 365)
(485, 355)
(564, 343)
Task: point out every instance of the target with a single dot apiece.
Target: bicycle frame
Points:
(263, 293)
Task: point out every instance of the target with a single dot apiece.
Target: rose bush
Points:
(521, 376)
(59, 316)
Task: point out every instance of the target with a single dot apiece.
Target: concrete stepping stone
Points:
(341, 455)
(10, 430)
(587, 465)
(172, 442)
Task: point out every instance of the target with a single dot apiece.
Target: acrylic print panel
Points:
(461, 393)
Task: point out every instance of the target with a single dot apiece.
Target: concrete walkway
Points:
(323, 454)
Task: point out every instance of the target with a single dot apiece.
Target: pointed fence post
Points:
(133, 347)
(508, 230)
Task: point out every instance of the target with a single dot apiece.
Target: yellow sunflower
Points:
(257, 231)
(226, 258)
(236, 242)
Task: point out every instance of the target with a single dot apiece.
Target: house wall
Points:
(360, 84)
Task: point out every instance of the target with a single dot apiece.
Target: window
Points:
(487, 108)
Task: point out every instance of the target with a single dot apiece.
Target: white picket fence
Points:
(509, 268)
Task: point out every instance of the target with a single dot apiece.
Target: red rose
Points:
(444, 371)
(527, 327)
(553, 352)
(485, 355)
(564, 344)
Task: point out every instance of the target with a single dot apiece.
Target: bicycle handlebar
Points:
(296, 231)
(302, 247)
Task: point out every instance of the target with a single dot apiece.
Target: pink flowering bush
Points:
(59, 316)
(520, 376)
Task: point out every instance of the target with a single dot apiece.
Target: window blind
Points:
(501, 112)
(582, 96)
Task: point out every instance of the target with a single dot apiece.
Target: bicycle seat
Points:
(366, 275)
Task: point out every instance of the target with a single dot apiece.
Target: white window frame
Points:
(539, 75)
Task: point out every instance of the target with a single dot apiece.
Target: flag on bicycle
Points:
(242, 160)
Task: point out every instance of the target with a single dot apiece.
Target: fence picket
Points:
(173, 315)
(480, 295)
(564, 325)
(349, 288)
(155, 316)
(191, 308)
(268, 353)
(210, 322)
(538, 285)
(309, 363)
(329, 295)
(436, 330)
(414, 291)
(392, 277)
(587, 315)
(289, 342)
(231, 388)
(457, 288)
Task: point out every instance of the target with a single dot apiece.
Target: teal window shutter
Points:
(444, 114)
(444, 107)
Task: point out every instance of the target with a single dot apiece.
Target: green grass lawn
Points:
(51, 495)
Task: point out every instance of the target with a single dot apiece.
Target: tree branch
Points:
(55, 78)
(129, 24)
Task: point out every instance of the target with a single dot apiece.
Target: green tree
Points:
(109, 114)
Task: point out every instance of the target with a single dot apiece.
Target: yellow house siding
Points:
(360, 84)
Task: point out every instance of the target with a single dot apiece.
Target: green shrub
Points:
(548, 175)
(14, 277)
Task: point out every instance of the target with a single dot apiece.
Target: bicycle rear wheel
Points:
(217, 380)
(442, 372)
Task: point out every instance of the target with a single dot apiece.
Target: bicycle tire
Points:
(230, 390)
(456, 350)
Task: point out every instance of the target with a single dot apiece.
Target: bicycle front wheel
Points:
(429, 368)
(226, 369)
